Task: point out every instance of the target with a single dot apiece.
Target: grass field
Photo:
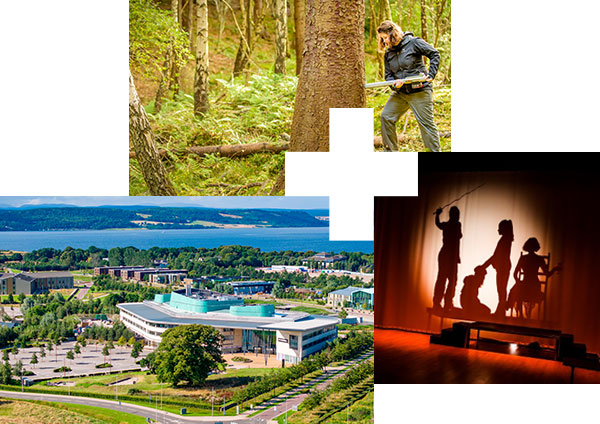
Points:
(19, 411)
(148, 385)
(360, 412)
(310, 310)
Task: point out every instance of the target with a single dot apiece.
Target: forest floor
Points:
(254, 107)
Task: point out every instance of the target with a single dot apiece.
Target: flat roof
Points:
(251, 283)
(310, 323)
(48, 274)
(160, 314)
(346, 292)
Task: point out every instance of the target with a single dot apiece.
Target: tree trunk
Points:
(174, 71)
(333, 70)
(299, 27)
(201, 76)
(424, 35)
(386, 10)
(221, 19)
(142, 139)
(167, 74)
(247, 29)
(385, 14)
(162, 85)
(192, 24)
(280, 14)
(227, 150)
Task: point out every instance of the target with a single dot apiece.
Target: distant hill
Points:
(107, 217)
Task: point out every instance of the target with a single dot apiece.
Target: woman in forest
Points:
(404, 58)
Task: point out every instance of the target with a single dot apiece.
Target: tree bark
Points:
(299, 28)
(280, 13)
(251, 13)
(174, 72)
(227, 150)
(238, 150)
(142, 139)
(167, 74)
(333, 70)
(385, 13)
(201, 75)
(424, 34)
(192, 24)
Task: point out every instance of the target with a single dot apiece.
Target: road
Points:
(293, 398)
(142, 411)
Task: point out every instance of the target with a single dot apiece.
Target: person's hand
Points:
(398, 83)
(438, 211)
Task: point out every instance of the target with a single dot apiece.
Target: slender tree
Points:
(299, 29)
(280, 14)
(333, 70)
(201, 75)
(424, 33)
(144, 145)
(252, 18)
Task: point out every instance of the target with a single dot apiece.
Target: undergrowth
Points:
(240, 113)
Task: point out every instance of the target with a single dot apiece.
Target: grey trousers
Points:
(421, 104)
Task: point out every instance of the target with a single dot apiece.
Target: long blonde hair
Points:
(394, 31)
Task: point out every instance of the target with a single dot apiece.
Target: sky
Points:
(233, 202)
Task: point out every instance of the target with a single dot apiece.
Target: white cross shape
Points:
(351, 174)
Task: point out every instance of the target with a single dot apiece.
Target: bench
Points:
(514, 329)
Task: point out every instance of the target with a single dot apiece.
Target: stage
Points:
(408, 357)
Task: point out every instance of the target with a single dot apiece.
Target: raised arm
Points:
(429, 51)
(438, 224)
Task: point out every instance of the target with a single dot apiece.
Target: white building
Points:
(291, 336)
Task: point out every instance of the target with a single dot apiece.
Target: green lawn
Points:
(262, 302)
(310, 310)
(102, 414)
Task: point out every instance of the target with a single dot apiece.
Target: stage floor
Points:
(406, 357)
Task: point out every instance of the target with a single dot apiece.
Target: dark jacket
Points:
(406, 59)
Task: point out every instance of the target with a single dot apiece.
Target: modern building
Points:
(338, 298)
(363, 298)
(140, 273)
(168, 277)
(288, 268)
(291, 336)
(322, 260)
(251, 287)
(104, 270)
(34, 282)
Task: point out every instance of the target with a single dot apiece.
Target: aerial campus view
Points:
(134, 313)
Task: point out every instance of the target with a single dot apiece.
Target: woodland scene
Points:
(220, 89)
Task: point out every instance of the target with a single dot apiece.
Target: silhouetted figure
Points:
(500, 260)
(469, 295)
(528, 288)
(448, 258)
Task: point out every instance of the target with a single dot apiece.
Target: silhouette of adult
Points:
(469, 295)
(500, 260)
(448, 258)
(529, 288)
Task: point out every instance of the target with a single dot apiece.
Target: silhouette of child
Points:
(469, 296)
